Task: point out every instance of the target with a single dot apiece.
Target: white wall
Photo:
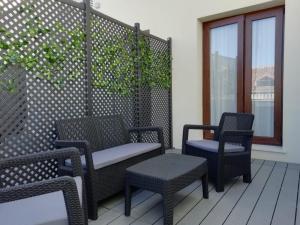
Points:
(181, 20)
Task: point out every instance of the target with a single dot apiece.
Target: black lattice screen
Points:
(156, 101)
(105, 32)
(160, 96)
(28, 117)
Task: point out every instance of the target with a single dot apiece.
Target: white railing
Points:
(262, 96)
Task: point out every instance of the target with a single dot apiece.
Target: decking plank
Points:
(136, 200)
(199, 212)
(186, 205)
(191, 201)
(152, 211)
(136, 212)
(141, 209)
(286, 206)
(113, 201)
(242, 210)
(263, 211)
(115, 212)
(224, 207)
(106, 218)
(297, 219)
(271, 198)
(156, 212)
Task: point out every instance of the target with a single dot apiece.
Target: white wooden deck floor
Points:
(272, 198)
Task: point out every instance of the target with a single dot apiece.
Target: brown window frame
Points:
(244, 69)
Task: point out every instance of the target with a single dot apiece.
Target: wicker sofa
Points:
(107, 150)
(27, 197)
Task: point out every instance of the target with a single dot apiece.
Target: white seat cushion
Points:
(117, 154)
(47, 209)
(213, 146)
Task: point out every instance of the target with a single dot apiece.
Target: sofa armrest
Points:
(158, 130)
(65, 184)
(72, 143)
(81, 144)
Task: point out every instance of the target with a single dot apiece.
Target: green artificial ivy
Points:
(155, 66)
(40, 51)
(115, 61)
(113, 65)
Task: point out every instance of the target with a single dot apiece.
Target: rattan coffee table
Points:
(166, 174)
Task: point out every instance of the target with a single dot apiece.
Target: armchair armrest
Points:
(158, 130)
(81, 144)
(187, 127)
(237, 133)
(60, 154)
(65, 184)
(229, 135)
(199, 127)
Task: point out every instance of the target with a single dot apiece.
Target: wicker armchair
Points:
(107, 151)
(229, 153)
(60, 200)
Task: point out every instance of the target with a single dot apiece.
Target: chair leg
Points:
(85, 207)
(247, 178)
(93, 210)
(219, 186)
(205, 185)
(127, 199)
(220, 176)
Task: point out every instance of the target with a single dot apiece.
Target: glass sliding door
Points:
(263, 74)
(242, 71)
(263, 62)
(223, 75)
(223, 71)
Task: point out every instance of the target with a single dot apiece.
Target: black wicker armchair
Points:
(60, 200)
(229, 153)
(107, 151)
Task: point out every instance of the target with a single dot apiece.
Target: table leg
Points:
(205, 185)
(127, 199)
(168, 208)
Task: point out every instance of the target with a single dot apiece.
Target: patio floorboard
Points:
(271, 198)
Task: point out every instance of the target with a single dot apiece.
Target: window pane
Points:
(263, 60)
(223, 70)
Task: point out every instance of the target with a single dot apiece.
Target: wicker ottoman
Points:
(166, 174)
